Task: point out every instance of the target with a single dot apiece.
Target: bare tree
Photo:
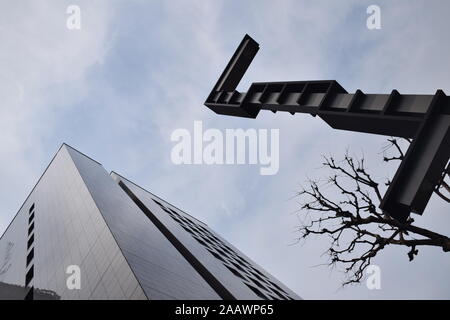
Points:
(357, 229)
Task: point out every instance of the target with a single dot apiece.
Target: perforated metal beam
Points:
(425, 118)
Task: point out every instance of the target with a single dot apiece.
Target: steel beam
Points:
(424, 118)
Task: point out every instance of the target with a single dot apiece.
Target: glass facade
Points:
(68, 230)
(243, 278)
(81, 225)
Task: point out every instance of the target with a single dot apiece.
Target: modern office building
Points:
(85, 234)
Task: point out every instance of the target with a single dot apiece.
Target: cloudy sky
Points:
(137, 70)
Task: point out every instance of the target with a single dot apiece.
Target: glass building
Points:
(85, 234)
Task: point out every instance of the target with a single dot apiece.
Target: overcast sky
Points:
(137, 70)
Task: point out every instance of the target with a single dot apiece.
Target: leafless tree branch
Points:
(357, 229)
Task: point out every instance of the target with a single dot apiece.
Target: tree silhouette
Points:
(357, 229)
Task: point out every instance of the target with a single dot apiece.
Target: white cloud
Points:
(39, 54)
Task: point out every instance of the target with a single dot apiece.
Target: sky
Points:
(136, 71)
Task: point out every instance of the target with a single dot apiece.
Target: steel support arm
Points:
(425, 118)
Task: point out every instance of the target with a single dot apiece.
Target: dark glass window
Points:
(31, 228)
(275, 285)
(216, 255)
(235, 272)
(257, 276)
(30, 219)
(30, 256)
(29, 276)
(256, 291)
(30, 241)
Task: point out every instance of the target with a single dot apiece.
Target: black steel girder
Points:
(424, 118)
